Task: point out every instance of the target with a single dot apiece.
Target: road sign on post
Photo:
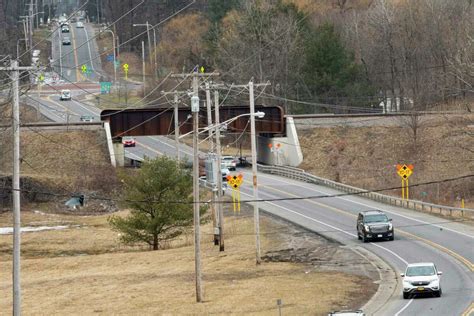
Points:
(105, 87)
(84, 69)
(405, 171)
(125, 70)
(234, 182)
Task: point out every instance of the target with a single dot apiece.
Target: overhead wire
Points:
(309, 197)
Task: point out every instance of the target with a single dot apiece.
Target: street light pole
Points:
(113, 43)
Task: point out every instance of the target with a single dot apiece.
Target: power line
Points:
(311, 197)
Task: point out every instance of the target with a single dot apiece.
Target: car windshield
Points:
(227, 158)
(420, 271)
(379, 218)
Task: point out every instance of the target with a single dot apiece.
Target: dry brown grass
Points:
(73, 160)
(162, 282)
(367, 156)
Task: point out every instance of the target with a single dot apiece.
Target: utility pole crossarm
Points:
(195, 74)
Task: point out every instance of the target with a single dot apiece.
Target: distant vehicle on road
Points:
(64, 29)
(65, 95)
(66, 41)
(347, 313)
(86, 118)
(80, 25)
(128, 141)
(421, 278)
(225, 172)
(229, 162)
(374, 225)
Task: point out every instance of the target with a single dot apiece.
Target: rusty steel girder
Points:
(160, 121)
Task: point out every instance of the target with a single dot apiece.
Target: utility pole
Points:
(30, 18)
(176, 95)
(196, 206)
(143, 67)
(217, 132)
(253, 141)
(212, 158)
(176, 124)
(197, 235)
(14, 69)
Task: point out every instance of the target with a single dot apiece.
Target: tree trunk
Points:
(155, 242)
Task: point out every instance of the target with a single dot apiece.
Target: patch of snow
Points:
(9, 230)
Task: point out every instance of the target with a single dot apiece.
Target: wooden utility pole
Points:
(253, 140)
(176, 101)
(14, 69)
(220, 208)
(212, 156)
(197, 236)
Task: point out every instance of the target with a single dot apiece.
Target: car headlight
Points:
(390, 226)
(434, 281)
(367, 228)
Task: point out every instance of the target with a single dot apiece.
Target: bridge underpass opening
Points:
(160, 121)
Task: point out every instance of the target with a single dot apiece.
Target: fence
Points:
(301, 175)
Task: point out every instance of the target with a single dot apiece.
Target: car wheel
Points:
(364, 239)
(406, 295)
(438, 294)
(391, 238)
(358, 236)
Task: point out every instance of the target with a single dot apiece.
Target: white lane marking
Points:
(89, 46)
(181, 148)
(333, 227)
(404, 307)
(132, 154)
(385, 210)
(85, 108)
(47, 111)
(347, 233)
(66, 109)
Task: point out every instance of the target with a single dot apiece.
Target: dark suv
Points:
(374, 225)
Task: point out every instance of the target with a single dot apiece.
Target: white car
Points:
(80, 25)
(421, 278)
(65, 95)
(225, 172)
(229, 162)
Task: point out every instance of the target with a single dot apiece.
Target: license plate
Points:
(420, 288)
(379, 235)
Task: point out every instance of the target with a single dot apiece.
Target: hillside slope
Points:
(366, 156)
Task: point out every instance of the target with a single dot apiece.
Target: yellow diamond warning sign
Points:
(404, 171)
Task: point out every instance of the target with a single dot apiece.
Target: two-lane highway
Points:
(419, 238)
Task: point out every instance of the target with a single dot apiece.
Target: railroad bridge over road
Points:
(275, 130)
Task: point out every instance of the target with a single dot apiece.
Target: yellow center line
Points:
(469, 310)
(64, 107)
(457, 256)
(76, 60)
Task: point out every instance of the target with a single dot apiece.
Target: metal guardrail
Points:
(301, 175)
